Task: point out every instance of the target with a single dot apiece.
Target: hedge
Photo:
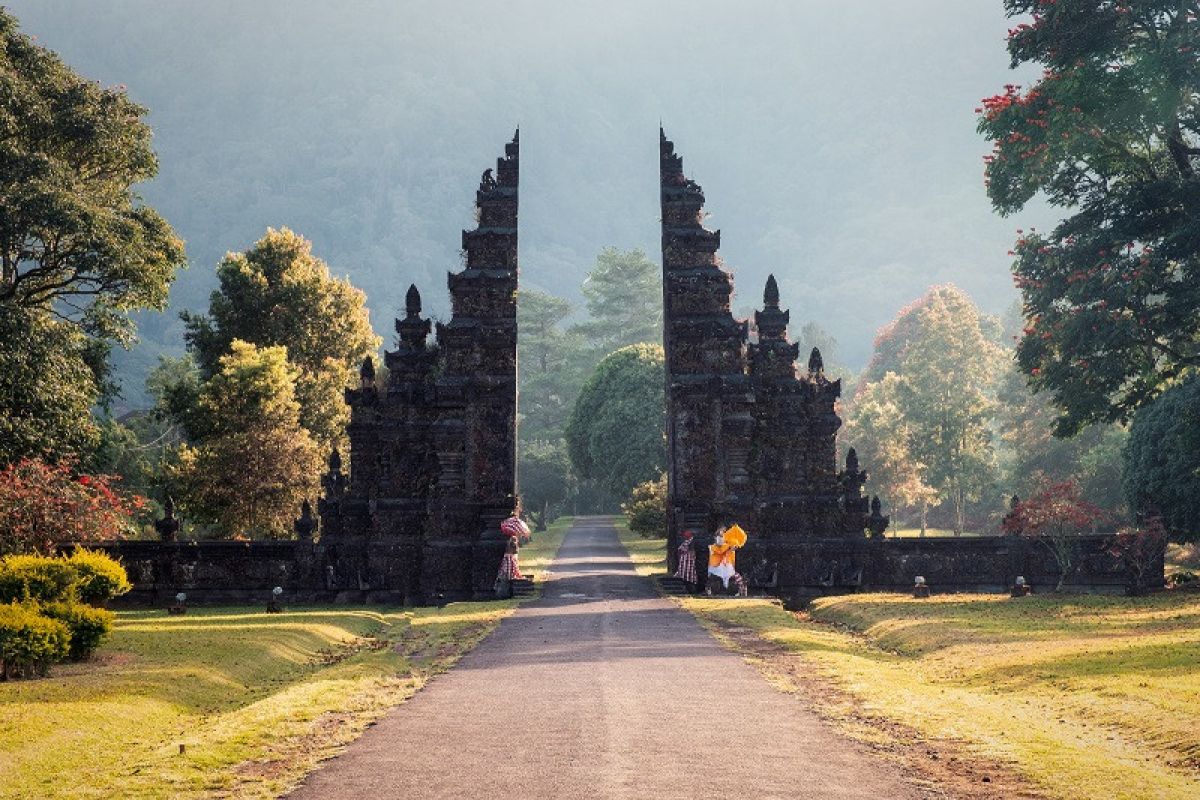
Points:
(88, 626)
(29, 641)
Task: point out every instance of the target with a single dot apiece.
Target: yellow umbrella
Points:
(735, 536)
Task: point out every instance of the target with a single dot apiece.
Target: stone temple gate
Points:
(750, 437)
(433, 449)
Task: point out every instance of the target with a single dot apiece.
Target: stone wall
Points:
(212, 572)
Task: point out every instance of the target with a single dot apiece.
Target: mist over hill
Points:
(835, 142)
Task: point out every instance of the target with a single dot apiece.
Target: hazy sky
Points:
(835, 141)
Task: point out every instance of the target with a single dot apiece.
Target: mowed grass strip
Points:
(256, 699)
(1087, 696)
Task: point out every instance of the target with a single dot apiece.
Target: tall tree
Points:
(881, 434)
(1032, 456)
(624, 300)
(552, 365)
(947, 363)
(616, 434)
(75, 241)
(256, 466)
(1110, 132)
(279, 293)
(546, 479)
(46, 388)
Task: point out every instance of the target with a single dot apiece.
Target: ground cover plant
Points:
(255, 699)
(1084, 695)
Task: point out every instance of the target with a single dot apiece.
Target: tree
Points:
(1055, 517)
(1032, 455)
(279, 293)
(1110, 132)
(46, 388)
(947, 366)
(646, 508)
(551, 365)
(256, 466)
(1141, 550)
(42, 504)
(624, 296)
(75, 242)
(882, 437)
(616, 433)
(546, 480)
(1162, 460)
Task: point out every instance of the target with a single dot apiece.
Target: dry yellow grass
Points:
(1087, 696)
(257, 699)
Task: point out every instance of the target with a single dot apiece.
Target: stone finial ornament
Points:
(306, 524)
(771, 293)
(168, 526)
(816, 364)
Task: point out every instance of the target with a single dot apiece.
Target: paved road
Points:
(601, 689)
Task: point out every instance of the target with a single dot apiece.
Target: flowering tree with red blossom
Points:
(1141, 551)
(1111, 131)
(1055, 517)
(42, 504)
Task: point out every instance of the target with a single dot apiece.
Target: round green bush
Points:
(29, 641)
(101, 577)
(646, 508)
(89, 626)
(1162, 460)
(616, 433)
(37, 578)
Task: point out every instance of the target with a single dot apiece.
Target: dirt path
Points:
(594, 691)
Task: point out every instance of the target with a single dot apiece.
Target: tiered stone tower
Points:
(433, 453)
(748, 439)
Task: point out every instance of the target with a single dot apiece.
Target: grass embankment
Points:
(1086, 696)
(257, 699)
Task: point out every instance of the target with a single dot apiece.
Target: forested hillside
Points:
(843, 158)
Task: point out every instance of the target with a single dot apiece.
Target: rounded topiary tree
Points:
(616, 434)
(1162, 460)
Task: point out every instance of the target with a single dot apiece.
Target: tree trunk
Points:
(924, 517)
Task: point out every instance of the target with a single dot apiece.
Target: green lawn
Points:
(256, 699)
(1087, 696)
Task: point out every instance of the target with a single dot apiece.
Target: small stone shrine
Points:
(433, 448)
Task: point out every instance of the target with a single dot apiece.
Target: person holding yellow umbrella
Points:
(722, 558)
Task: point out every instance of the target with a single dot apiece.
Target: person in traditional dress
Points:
(510, 566)
(686, 558)
(722, 559)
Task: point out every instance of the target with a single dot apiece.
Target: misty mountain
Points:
(835, 142)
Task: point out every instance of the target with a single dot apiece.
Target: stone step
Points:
(523, 587)
(671, 585)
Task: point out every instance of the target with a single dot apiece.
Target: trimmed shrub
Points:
(30, 642)
(38, 578)
(646, 508)
(88, 626)
(101, 577)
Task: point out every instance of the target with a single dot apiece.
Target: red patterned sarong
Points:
(509, 569)
(686, 571)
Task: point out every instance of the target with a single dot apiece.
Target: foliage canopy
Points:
(1110, 131)
(279, 293)
(1162, 460)
(74, 240)
(616, 433)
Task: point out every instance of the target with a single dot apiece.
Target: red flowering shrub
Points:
(1054, 517)
(1140, 550)
(41, 504)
